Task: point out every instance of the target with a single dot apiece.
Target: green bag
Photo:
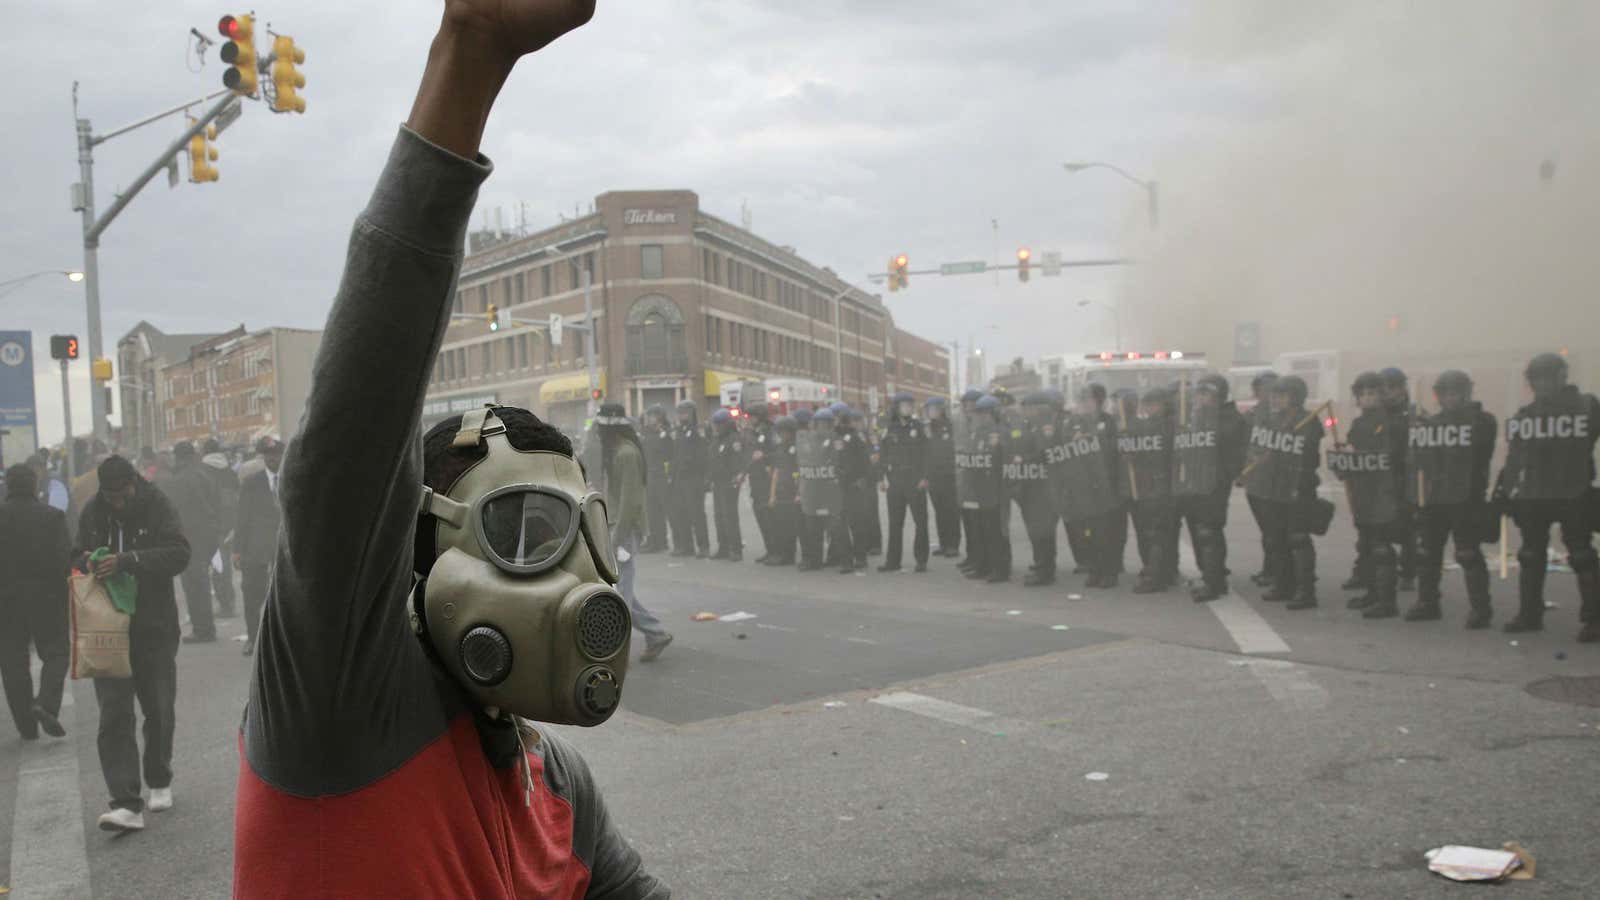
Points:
(122, 587)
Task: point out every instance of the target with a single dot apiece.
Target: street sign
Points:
(964, 268)
(228, 116)
(1052, 263)
(555, 329)
(17, 409)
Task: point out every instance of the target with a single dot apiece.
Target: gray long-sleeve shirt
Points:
(366, 772)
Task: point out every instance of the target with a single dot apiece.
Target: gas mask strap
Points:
(477, 424)
(441, 507)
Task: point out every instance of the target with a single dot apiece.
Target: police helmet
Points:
(757, 409)
(1263, 380)
(1453, 381)
(1214, 383)
(656, 409)
(1367, 381)
(1293, 387)
(801, 416)
(1393, 377)
(972, 395)
(988, 402)
(721, 417)
(822, 415)
(904, 397)
(686, 404)
(1547, 365)
(1094, 390)
(839, 406)
(936, 401)
(786, 423)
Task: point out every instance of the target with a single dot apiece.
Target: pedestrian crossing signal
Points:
(63, 346)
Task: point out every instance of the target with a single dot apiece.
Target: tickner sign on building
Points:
(649, 217)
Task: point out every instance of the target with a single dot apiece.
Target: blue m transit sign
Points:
(18, 413)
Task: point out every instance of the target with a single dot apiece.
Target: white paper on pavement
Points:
(736, 617)
(1460, 863)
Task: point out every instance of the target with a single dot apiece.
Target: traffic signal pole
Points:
(66, 409)
(93, 227)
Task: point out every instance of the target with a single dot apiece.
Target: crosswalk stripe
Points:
(944, 711)
(1249, 631)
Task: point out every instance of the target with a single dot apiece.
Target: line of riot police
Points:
(1149, 466)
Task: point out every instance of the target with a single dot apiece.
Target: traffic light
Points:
(596, 394)
(492, 314)
(239, 52)
(63, 346)
(1024, 255)
(202, 154)
(102, 369)
(285, 77)
(897, 273)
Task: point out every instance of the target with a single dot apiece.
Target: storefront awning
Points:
(569, 388)
(715, 378)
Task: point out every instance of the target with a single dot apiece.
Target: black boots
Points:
(1477, 576)
(1385, 583)
(1530, 598)
(1303, 561)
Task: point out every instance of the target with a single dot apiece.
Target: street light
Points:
(1150, 188)
(1116, 312)
(12, 284)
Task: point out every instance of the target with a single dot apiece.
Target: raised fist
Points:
(515, 27)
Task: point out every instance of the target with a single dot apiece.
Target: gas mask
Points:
(520, 605)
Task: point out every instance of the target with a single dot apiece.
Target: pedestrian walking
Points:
(255, 534)
(35, 558)
(194, 495)
(689, 484)
(623, 480)
(220, 469)
(139, 530)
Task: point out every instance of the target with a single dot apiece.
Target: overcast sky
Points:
(852, 130)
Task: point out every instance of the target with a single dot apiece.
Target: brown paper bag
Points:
(99, 631)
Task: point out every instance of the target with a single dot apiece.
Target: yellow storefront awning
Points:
(715, 378)
(569, 388)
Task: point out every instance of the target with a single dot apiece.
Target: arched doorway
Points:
(655, 341)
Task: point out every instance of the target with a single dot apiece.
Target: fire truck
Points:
(783, 395)
(1127, 370)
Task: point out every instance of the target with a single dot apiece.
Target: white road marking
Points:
(944, 711)
(1246, 627)
(1289, 684)
(49, 853)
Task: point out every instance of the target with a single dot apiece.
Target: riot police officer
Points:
(727, 471)
(783, 493)
(1282, 481)
(941, 472)
(1208, 449)
(1450, 452)
(1030, 478)
(1261, 393)
(1548, 478)
(1146, 448)
(688, 470)
(864, 509)
(758, 442)
(966, 485)
(655, 437)
(821, 495)
(860, 501)
(1397, 401)
(992, 505)
(1371, 463)
(904, 459)
(1085, 487)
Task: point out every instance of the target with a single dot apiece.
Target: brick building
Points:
(238, 386)
(682, 301)
(141, 355)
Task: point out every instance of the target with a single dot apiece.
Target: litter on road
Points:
(1460, 863)
(1013, 612)
(705, 617)
(833, 704)
(1096, 776)
(736, 617)
(1058, 627)
(1074, 596)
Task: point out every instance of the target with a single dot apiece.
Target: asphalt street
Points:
(921, 736)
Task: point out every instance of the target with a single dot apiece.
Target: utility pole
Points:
(93, 227)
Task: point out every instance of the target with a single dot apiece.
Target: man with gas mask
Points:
(1281, 480)
(903, 455)
(622, 477)
(942, 477)
(1208, 448)
(655, 437)
(1370, 464)
(758, 441)
(1451, 452)
(727, 469)
(1042, 415)
(430, 596)
(1548, 479)
(689, 483)
(1145, 445)
(783, 492)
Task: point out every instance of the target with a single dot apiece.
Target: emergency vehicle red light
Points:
(1329, 423)
(1106, 356)
(1161, 354)
(1134, 354)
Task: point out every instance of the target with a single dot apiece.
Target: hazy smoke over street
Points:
(1435, 162)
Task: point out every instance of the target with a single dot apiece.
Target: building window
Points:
(544, 281)
(511, 353)
(519, 287)
(650, 261)
(483, 298)
(654, 336)
(522, 345)
(487, 351)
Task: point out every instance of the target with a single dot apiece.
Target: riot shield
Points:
(1197, 453)
(1549, 448)
(1080, 477)
(1277, 447)
(1145, 446)
(978, 447)
(1443, 459)
(1367, 468)
(818, 454)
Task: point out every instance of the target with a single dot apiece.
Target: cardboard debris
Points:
(705, 617)
(1460, 863)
